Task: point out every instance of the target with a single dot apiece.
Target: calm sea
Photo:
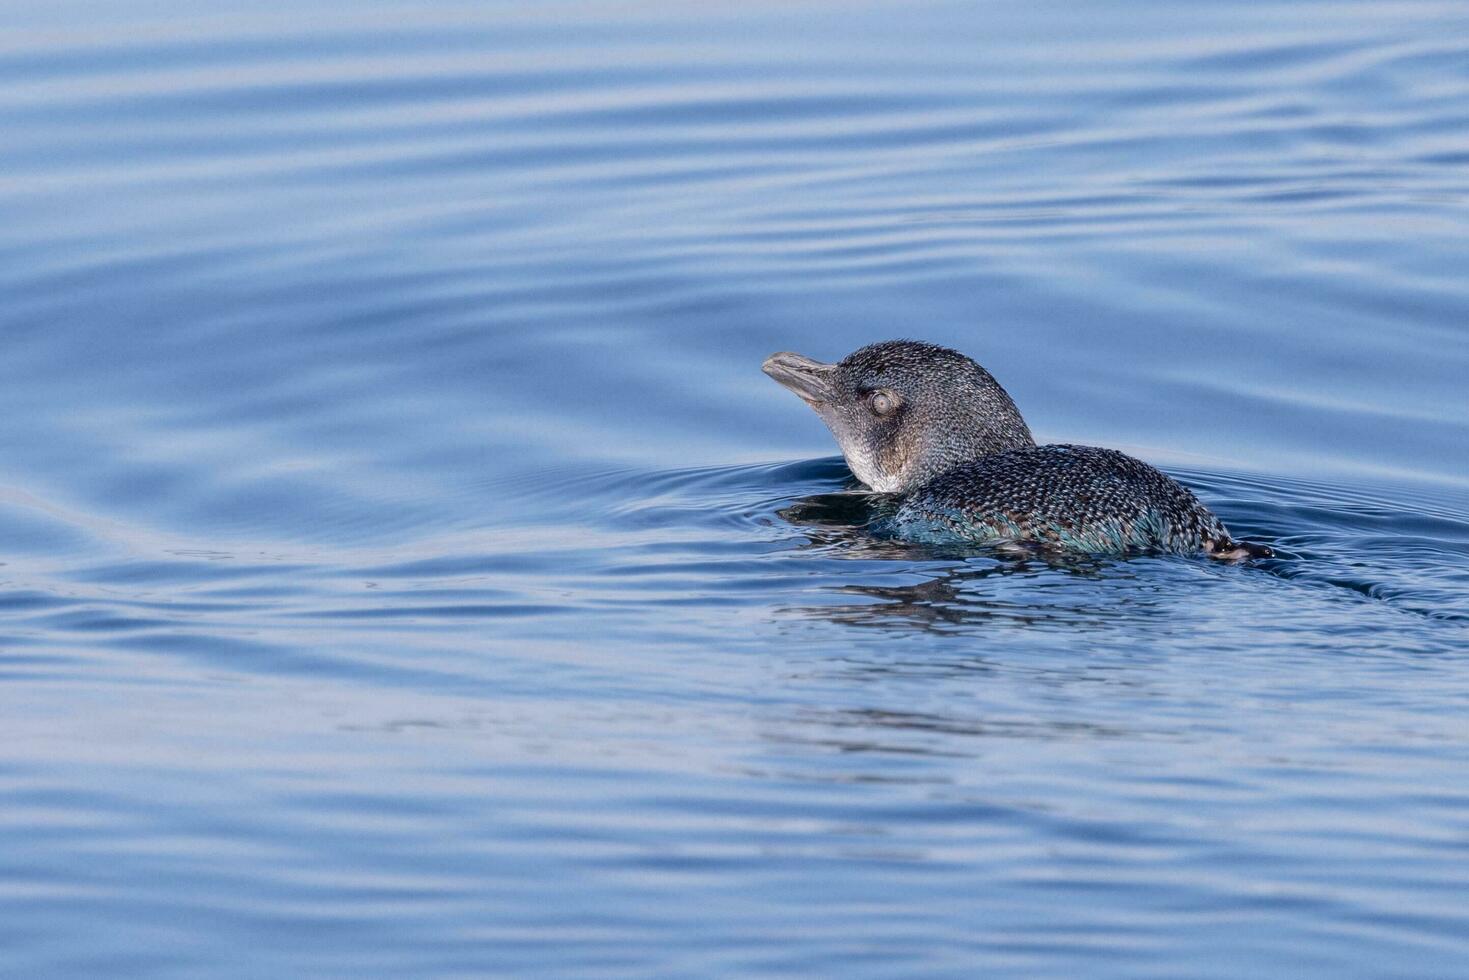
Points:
(406, 570)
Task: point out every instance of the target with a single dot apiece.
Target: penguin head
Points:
(903, 411)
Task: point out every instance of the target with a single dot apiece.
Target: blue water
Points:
(408, 572)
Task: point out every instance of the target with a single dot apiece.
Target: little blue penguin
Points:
(930, 425)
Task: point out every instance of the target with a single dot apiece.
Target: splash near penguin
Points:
(929, 425)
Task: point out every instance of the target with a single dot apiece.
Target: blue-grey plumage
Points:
(931, 425)
(1076, 498)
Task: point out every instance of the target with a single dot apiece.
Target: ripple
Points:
(407, 570)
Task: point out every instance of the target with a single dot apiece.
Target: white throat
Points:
(864, 467)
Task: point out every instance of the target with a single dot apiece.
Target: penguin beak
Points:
(811, 380)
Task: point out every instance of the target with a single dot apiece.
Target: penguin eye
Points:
(883, 402)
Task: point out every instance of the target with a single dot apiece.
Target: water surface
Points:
(408, 572)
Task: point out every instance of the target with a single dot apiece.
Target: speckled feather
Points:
(1079, 498)
(953, 410)
(947, 393)
(952, 440)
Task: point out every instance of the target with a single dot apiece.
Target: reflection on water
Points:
(957, 599)
(405, 569)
